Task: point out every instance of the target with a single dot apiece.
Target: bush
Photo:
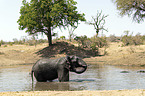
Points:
(132, 40)
(143, 37)
(93, 43)
(5, 46)
(62, 37)
(99, 41)
(113, 38)
(42, 41)
(137, 40)
(81, 40)
(11, 43)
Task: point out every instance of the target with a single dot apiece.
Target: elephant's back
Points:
(45, 64)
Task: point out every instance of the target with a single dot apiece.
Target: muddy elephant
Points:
(49, 69)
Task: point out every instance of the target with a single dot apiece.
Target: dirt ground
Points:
(120, 56)
(115, 55)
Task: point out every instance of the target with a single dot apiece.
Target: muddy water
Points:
(95, 78)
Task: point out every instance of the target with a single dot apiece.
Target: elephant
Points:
(47, 69)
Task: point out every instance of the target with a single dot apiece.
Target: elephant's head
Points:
(77, 65)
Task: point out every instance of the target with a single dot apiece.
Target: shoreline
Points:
(134, 92)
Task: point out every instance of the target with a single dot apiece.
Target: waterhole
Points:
(96, 77)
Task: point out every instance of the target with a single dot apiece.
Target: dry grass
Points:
(128, 55)
(19, 54)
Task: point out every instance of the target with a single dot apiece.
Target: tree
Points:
(98, 22)
(43, 16)
(134, 8)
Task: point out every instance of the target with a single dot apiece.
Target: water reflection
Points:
(96, 77)
(59, 86)
(40, 86)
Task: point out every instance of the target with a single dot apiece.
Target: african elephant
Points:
(50, 69)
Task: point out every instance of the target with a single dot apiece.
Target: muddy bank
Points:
(78, 93)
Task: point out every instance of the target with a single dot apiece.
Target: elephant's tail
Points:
(32, 75)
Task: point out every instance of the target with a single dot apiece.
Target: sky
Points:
(116, 25)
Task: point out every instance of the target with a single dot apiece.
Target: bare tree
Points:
(99, 22)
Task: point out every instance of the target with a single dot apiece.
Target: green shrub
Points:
(81, 40)
(93, 43)
(62, 37)
(11, 43)
(99, 41)
(94, 47)
(5, 46)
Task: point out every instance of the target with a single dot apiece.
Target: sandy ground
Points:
(122, 56)
(19, 54)
(136, 92)
(115, 55)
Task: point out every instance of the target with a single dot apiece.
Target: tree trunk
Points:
(49, 36)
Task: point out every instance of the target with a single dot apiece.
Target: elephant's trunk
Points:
(80, 70)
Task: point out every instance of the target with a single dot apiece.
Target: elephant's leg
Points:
(63, 75)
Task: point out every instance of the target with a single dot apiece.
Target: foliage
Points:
(99, 41)
(92, 43)
(132, 40)
(62, 37)
(81, 40)
(143, 37)
(11, 43)
(2, 42)
(43, 16)
(98, 22)
(5, 46)
(134, 8)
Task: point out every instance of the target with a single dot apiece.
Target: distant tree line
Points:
(92, 43)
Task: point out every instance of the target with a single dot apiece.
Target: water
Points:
(95, 78)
